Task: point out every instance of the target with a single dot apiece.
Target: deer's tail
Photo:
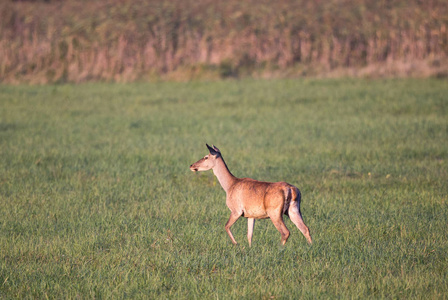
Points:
(292, 194)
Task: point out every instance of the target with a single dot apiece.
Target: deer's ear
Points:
(212, 150)
(209, 148)
(216, 149)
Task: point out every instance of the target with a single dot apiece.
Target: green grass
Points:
(97, 200)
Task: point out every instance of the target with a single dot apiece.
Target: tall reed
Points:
(119, 40)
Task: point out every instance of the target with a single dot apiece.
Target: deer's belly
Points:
(255, 212)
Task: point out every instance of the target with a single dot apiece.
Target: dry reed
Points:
(119, 40)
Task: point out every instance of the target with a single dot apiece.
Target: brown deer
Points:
(254, 199)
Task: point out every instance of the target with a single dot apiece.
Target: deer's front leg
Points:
(230, 222)
(250, 229)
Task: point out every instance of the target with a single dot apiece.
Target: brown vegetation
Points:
(120, 40)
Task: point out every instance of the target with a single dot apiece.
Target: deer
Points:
(253, 199)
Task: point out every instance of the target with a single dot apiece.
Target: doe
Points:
(254, 199)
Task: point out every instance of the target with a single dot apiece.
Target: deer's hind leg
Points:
(274, 209)
(277, 219)
(296, 218)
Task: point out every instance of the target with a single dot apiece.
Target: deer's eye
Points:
(206, 157)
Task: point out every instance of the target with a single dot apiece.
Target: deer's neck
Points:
(225, 178)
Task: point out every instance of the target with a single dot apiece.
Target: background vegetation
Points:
(97, 200)
(115, 40)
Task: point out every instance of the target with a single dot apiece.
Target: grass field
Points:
(97, 200)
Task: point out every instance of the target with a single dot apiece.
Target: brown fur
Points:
(254, 199)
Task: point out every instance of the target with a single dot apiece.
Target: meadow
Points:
(97, 199)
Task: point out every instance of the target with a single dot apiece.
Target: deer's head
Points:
(208, 161)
